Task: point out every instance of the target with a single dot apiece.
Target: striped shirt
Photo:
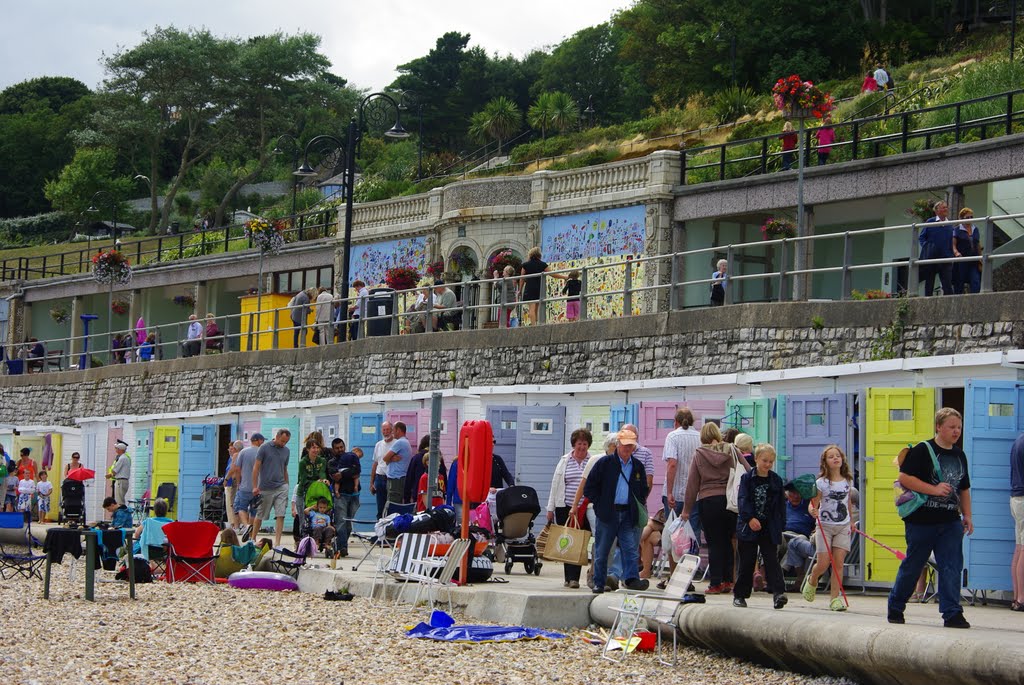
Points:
(645, 457)
(573, 475)
(681, 445)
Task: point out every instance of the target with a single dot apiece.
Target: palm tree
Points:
(500, 120)
(565, 113)
(539, 114)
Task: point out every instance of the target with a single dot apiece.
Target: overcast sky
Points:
(68, 37)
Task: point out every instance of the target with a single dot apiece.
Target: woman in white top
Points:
(564, 485)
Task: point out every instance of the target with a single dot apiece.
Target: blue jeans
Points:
(380, 483)
(345, 507)
(946, 541)
(620, 528)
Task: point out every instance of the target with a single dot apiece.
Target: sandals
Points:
(1016, 606)
(917, 597)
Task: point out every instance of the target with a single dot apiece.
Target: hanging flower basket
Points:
(435, 269)
(265, 235)
(500, 260)
(119, 307)
(462, 261)
(402, 278)
(799, 99)
(186, 301)
(922, 209)
(111, 267)
(776, 228)
(60, 314)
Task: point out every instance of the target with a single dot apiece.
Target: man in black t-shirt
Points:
(939, 524)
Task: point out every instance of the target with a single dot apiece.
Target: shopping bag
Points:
(481, 516)
(682, 540)
(567, 544)
(732, 488)
(542, 540)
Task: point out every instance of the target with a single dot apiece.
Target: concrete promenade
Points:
(806, 638)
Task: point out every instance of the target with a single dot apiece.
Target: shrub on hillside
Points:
(734, 102)
(40, 228)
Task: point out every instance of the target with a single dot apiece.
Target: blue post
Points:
(86, 320)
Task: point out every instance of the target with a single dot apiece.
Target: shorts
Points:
(11, 501)
(43, 502)
(1017, 509)
(276, 500)
(25, 503)
(244, 501)
(572, 309)
(838, 535)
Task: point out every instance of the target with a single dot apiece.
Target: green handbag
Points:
(909, 501)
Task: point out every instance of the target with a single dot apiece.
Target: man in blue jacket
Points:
(617, 487)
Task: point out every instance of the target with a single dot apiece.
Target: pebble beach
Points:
(217, 635)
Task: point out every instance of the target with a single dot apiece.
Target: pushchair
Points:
(516, 508)
(72, 502)
(212, 503)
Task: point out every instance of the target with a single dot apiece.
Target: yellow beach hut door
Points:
(166, 445)
(895, 417)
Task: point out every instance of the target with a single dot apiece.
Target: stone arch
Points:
(517, 247)
(459, 248)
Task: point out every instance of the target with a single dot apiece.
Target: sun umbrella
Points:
(81, 473)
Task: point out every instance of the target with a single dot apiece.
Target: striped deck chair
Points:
(409, 548)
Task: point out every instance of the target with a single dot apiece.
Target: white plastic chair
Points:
(433, 574)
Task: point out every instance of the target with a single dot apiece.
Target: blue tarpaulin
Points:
(482, 633)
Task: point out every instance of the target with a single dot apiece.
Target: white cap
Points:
(120, 444)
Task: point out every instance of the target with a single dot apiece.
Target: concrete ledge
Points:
(859, 644)
(498, 602)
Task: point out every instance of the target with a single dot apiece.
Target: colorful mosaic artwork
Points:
(592, 240)
(371, 262)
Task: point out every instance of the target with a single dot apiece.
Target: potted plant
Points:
(775, 228)
(435, 269)
(267, 235)
(186, 301)
(499, 260)
(462, 261)
(800, 99)
(119, 307)
(111, 266)
(402, 278)
(922, 209)
(60, 314)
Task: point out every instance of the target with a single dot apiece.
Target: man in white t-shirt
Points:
(680, 446)
(881, 77)
(378, 470)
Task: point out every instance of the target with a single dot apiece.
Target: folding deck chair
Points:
(14, 563)
(190, 557)
(435, 574)
(407, 551)
(658, 608)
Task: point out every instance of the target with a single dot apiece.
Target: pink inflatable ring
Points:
(262, 580)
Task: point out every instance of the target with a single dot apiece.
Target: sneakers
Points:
(837, 604)
(897, 617)
(639, 584)
(565, 584)
(597, 590)
(808, 590)
(740, 602)
(574, 585)
(719, 589)
(780, 600)
(957, 621)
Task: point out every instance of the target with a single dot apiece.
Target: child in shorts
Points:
(834, 532)
(319, 518)
(11, 493)
(43, 490)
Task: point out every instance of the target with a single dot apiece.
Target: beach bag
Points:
(481, 516)
(567, 544)
(682, 540)
(909, 501)
(732, 488)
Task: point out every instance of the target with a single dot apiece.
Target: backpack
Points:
(142, 572)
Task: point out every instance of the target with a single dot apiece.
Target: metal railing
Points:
(641, 285)
(856, 139)
(165, 248)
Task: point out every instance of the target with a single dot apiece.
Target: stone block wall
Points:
(689, 343)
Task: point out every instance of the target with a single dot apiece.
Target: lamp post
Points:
(409, 96)
(590, 111)
(104, 195)
(356, 126)
(295, 161)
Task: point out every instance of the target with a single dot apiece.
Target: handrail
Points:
(169, 247)
(643, 289)
(718, 155)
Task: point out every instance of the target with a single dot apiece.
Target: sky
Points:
(364, 39)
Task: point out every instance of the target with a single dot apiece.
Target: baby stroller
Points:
(212, 505)
(72, 502)
(517, 507)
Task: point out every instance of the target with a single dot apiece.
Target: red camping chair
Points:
(190, 556)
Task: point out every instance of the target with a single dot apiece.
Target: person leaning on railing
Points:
(214, 336)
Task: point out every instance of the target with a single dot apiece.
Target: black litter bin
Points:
(379, 304)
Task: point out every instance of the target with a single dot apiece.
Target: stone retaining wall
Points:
(698, 342)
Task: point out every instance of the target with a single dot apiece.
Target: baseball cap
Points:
(257, 436)
(627, 437)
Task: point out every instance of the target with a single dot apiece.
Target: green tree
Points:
(555, 110)
(500, 119)
(52, 92)
(91, 170)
